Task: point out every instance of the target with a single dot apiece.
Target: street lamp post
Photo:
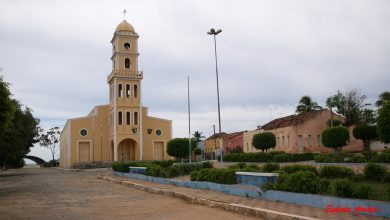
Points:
(214, 33)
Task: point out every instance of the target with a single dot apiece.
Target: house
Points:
(233, 141)
(302, 132)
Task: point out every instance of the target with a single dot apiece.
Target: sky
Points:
(56, 55)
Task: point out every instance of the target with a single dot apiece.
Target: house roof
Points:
(216, 135)
(232, 135)
(291, 120)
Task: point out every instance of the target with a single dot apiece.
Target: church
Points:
(121, 130)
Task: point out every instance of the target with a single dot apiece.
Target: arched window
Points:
(135, 91)
(127, 63)
(127, 90)
(120, 90)
(128, 118)
(135, 118)
(120, 118)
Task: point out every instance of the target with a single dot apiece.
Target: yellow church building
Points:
(121, 130)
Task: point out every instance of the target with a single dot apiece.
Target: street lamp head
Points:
(213, 32)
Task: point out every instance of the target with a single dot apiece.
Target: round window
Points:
(158, 132)
(127, 46)
(83, 132)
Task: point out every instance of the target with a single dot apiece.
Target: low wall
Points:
(319, 201)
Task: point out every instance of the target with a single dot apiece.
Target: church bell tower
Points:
(125, 111)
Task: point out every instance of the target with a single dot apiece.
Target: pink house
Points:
(233, 141)
(302, 132)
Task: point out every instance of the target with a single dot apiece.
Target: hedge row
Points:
(267, 157)
(223, 176)
(383, 157)
(176, 170)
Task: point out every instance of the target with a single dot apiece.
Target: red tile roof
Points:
(291, 120)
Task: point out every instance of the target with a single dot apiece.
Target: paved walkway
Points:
(51, 194)
(310, 212)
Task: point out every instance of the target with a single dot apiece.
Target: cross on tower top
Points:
(124, 14)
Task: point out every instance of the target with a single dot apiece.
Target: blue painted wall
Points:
(312, 200)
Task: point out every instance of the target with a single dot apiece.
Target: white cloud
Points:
(57, 54)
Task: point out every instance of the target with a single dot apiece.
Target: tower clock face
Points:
(127, 46)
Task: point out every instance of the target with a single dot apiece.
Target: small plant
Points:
(298, 167)
(386, 178)
(336, 172)
(357, 159)
(383, 157)
(342, 187)
(270, 167)
(374, 171)
(302, 182)
(362, 191)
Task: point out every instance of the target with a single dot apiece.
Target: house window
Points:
(128, 118)
(247, 147)
(300, 141)
(319, 140)
(127, 90)
(135, 118)
(127, 46)
(119, 117)
(283, 141)
(288, 140)
(158, 132)
(309, 140)
(127, 63)
(135, 91)
(83, 132)
(120, 90)
(278, 142)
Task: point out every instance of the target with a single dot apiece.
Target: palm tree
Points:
(383, 97)
(331, 103)
(306, 104)
(198, 136)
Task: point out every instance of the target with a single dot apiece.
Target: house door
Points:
(84, 152)
(158, 150)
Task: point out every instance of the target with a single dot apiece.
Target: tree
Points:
(197, 151)
(336, 137)
(49, 139)
(383, 123)
(178, 147)
(331, 103)
(366, 133)
(7, 108)
(198, 136)
(350, 104)
(306, 104)
(19, 137)
(382, 98)
(264, 141)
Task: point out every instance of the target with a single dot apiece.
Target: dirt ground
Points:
(48, 193)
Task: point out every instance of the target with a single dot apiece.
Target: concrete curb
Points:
(235, 208)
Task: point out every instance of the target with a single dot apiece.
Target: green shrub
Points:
(223, 176)
(374, 171)
(270, 167)
(388, 192)
(194, 175)
(386, 178)
(281, 158)
(361, 191)
(120, 167)
(301, 157)
(153, 170)
(298, 167)
(336, 172)
(302, 182)
(335, 137)
(207, 164)
(357, 159)
(342, 187)
(163, 163)
(264, 141)
(324, 158)
(381, 158)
